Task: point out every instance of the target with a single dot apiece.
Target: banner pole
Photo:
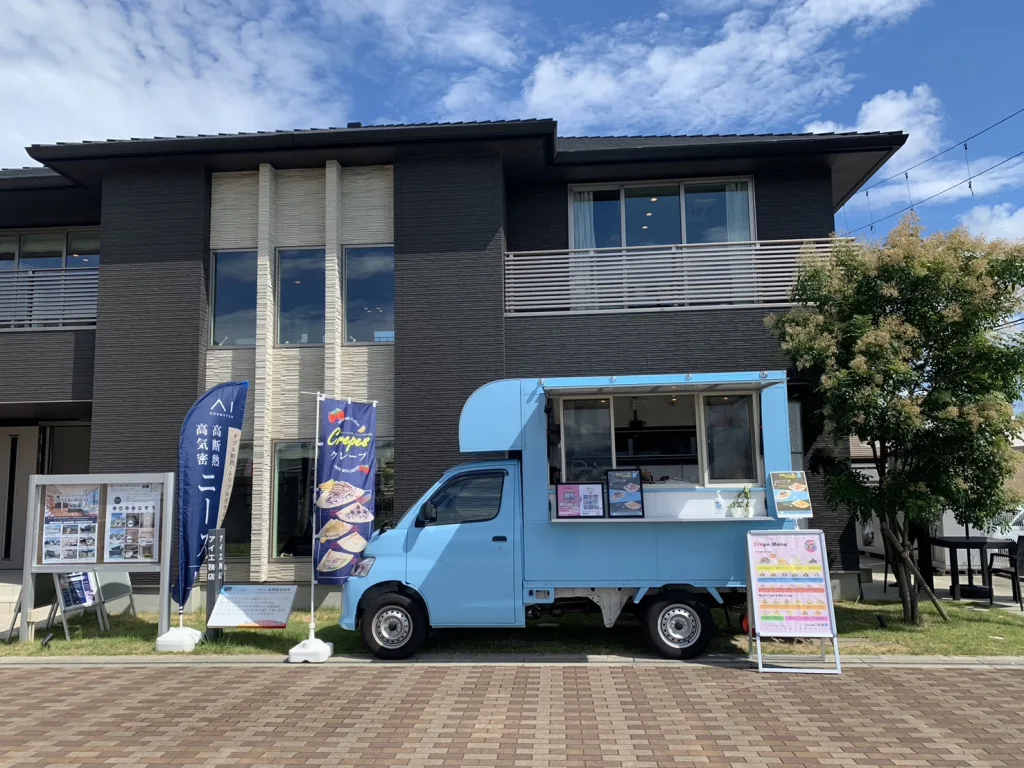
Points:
(320, 397)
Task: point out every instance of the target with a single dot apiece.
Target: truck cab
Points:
(485, 545)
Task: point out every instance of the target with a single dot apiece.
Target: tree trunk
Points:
(912, 615)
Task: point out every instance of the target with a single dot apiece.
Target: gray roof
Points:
(599, 143)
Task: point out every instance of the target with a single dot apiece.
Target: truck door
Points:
(462, 562)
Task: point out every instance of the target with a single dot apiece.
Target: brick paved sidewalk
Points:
(507, 715)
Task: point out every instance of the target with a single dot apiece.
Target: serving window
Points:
(691, 439)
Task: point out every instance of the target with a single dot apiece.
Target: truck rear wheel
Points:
(679, 625)
(394, 626)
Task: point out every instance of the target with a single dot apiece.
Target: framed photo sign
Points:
(579, 500)
(625, 493)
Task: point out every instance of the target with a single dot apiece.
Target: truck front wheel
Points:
(394, 626)
(679, 625)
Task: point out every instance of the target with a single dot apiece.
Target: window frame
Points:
(681, 183)
(65, 231)
(702, 444)
(213, 295)
(344, 295)
(273, 557)
(502, 473)
(277, 295)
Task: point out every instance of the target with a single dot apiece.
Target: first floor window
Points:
(293, 498)
(370, 295)
(238, 519)
(234, 298)
(384, 485)
(301, 276)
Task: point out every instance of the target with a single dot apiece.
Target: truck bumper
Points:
(351, 591)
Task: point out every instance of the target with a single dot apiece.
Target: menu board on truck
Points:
(133, 520)
(625, 493)
(792, 497)
(70, 515)
(791, 592)
(579, 500)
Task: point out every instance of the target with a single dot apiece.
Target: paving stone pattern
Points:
(497, 715)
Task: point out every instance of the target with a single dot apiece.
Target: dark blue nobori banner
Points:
(207, 455)
(343, 497)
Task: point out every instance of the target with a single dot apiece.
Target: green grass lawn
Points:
(972, 632)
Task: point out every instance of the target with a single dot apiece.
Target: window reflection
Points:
(730, 434)
(8, 252)
(83, 250)
(370, 294)
(588, 439)
(234, 298)
(42, 251)
(301, 296)
(293, 499)
(717, 213)
(596, 218)
(652, 215)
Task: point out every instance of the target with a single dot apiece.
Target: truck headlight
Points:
(363, 566)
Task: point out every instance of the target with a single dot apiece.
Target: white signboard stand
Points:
(116, 523)
(790, 595)
(252, 606)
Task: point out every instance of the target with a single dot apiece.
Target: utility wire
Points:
(932, 197)
(947, 149)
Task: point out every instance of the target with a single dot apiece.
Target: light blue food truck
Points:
(616, 493)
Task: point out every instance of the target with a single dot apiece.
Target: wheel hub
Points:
(392, 627)
(679, 626)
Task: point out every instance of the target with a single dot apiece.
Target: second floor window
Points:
(301, 295)
(370, 295)
(234, 298)
(629, 215)
(31, 251)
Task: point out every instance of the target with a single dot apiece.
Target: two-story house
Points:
(405, 264)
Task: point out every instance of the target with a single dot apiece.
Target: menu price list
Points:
(792, 596)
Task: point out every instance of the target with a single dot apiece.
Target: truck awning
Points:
(661, 384)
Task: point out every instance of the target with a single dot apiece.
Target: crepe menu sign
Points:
(625, 493)
(345, 474)
(791, 494)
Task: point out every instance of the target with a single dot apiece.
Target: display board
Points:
(579, 500)
(790, 592)
(625, 493)
(791, 493)
(252, 606)
(111, 523)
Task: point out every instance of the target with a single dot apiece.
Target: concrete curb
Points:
(513, 660)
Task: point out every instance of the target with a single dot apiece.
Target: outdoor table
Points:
(980, 543)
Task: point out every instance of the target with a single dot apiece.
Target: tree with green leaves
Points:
(905, 345)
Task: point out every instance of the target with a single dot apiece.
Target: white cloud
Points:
(1001, 222)
(662, 16)
(762, 67)
(72, 71)
(474, 97)
(444, 30)
(919, 113)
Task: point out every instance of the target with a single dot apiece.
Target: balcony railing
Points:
(48, 298)
(657, 278)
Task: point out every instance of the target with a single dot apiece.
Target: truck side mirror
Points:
(428, 513)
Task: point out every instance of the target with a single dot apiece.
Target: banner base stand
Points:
(311, 650)
(179, 640)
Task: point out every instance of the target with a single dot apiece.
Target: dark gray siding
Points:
(152, 324)
(655, 342)
(538, 217)
(793, 205)
(449, 242)
(46, 366)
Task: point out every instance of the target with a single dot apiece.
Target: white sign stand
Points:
(797, 571)
(313, 649)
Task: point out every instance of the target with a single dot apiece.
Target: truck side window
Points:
(472, 498)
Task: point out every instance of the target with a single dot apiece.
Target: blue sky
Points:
(941, 70)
